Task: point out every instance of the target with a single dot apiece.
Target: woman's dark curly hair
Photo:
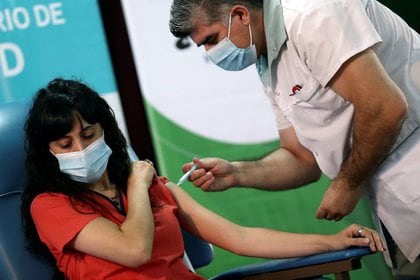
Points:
(50, 118)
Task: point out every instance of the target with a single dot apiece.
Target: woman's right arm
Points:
(131, 243)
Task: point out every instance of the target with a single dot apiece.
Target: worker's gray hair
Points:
(186, 13)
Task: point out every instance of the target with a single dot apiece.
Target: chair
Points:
(18, 264)
(15, 261)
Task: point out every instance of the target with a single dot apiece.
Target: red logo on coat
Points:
(295, 89)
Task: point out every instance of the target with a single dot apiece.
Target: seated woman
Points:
(103, 217)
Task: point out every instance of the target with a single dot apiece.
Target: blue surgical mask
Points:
(88, 165)
(229, 57)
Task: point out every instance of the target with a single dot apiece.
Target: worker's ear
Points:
(242, 13)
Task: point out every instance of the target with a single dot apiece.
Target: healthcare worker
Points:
(343, 80)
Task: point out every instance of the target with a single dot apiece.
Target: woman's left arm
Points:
(262, 242)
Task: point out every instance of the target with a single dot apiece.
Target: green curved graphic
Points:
(288, 210)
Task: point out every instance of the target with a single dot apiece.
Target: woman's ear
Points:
(242, 13)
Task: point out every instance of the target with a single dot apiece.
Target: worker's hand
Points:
(356, 235)
(339, 200)
(212, 174)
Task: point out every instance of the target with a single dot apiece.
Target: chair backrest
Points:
(12, 153)
(199, 252)
(15, 261)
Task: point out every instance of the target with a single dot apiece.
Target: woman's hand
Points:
(142, 173)
(356, 235)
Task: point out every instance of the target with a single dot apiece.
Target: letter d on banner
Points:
(16, 52)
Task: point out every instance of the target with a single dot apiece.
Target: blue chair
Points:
(18, 264)
(15, 261)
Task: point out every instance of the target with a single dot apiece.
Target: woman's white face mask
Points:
(88, 165)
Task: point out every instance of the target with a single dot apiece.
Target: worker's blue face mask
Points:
(88, 165)
(229, 57)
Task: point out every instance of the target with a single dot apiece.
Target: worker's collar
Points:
(275, 36)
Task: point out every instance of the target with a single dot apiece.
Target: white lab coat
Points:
(321, 36)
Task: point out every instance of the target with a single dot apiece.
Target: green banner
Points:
(292, 210)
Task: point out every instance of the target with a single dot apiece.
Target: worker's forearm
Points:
(373, 137)
(279, 170)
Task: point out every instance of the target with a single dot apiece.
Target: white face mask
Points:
(88, 165)
(229, 57)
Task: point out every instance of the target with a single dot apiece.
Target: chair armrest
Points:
(272, 266)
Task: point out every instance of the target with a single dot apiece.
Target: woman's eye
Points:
(89, 136)
(65, 146)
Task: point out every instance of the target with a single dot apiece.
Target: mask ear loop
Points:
(250, 35)
(230, 23)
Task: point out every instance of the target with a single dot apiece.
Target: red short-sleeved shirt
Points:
(58, 222)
